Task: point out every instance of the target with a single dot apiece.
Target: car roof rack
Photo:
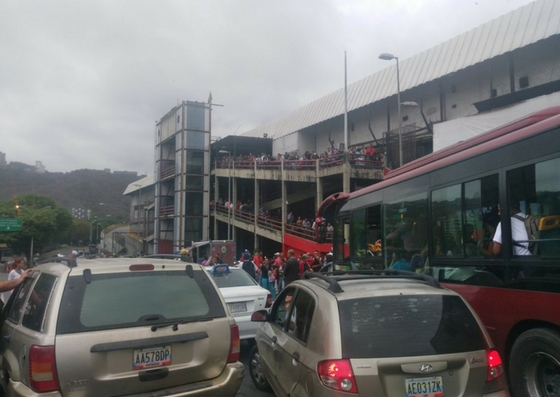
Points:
(334, 286)
(70, 262)
(333, 278)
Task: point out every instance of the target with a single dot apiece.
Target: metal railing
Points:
(355, 160)
(273, 223)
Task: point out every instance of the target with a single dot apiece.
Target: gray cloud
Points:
(82, 83)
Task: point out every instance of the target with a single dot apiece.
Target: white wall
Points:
(453, 131)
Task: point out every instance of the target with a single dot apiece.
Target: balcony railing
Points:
(356, 161)
(271, 222)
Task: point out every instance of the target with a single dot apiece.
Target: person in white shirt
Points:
(518, 232)
(16, 277)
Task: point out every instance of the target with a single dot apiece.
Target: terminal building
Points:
(469, 84)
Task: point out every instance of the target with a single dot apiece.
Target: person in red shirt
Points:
(370, 151)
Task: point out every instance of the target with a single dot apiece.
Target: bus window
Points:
(365, 234)
(547, 183)
(341, 231)
(465, 218)
(534, 191)
(480, 216)
(358, 234)
(405, 233)
(446, 222)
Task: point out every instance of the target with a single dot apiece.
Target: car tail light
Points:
(495, 365)
(42, 369)
(337, 375)
(235, 345)
(269, 301)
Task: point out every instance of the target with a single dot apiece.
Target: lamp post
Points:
(388, 57)
(138, 220)
(229, 192)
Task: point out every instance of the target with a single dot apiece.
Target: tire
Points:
(256, 372)
(534, 365)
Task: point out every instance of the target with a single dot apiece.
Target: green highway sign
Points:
(10, 225)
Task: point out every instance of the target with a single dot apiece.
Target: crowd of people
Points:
(305, 226)
(364, 155)
(277, 272)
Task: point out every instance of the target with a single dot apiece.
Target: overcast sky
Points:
(83, 82)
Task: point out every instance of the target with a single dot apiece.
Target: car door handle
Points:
(274, 339)
(295, 359)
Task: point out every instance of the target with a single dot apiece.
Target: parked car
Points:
(119, 327)
(388, 333)
(243, 296)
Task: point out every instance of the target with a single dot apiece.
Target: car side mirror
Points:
(260, 316)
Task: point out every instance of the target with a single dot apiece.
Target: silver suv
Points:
(387, 333)
(119, 327)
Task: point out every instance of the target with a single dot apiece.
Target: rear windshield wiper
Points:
(175, 324)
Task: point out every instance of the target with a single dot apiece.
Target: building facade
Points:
(469, 84)
(182, 169)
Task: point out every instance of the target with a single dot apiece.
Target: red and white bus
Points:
(439, 215)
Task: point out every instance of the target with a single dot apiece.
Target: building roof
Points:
(145, 182)
(524, 26)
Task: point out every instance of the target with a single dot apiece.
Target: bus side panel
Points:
(502, 309)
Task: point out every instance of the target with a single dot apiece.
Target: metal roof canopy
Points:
(526, 25)
(242, 145)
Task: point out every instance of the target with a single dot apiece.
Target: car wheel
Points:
(535, 364)
(255, 369)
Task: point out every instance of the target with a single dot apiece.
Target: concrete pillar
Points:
(318, 186)
(234, 201)
(216, 198)
(256, 205)
(346, 172)
(284, 199)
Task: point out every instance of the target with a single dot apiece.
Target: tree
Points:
(43, 222)
(80, 231)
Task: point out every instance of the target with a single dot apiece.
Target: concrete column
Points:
(216, 198)
(319, 198)
(346, 172)
(234, 200)
(256, 200)
(318, 186)
(284, 199)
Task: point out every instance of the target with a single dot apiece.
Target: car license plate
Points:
(237, 307)
(424, 387)
(150, 358)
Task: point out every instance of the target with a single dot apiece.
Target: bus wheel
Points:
(534, 365)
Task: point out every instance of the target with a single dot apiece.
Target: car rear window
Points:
(413, 325)
(235, 278)
(130, 299)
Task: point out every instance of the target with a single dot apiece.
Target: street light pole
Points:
(388, 57)
(138, 220)
(229, 193)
